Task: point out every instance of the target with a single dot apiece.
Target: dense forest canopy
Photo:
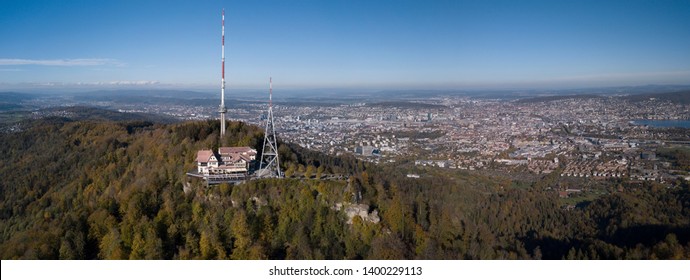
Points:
(80, 189)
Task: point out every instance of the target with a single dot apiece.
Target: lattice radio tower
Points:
(270, 164)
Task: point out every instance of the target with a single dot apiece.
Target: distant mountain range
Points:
(557, 97)
(17, 100)
(682, 97)
(12, 100)
(83, 113)
(182, 94)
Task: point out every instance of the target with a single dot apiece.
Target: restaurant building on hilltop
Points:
(227, 161)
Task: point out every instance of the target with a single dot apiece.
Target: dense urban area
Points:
(577, 136)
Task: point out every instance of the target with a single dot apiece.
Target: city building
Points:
(367, 151)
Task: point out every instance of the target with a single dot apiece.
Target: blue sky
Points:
(345, 44)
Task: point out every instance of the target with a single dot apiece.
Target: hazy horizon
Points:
(291, 92)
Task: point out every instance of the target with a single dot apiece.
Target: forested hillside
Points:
(114, 190)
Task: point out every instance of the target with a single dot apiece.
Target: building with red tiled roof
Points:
(228, 153)
(206, 160)
(228, 160)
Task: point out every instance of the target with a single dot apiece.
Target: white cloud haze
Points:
(60, 62)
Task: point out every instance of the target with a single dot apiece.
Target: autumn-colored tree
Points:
(114, 190)
(309, 171)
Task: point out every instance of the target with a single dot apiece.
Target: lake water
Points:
(664, 123)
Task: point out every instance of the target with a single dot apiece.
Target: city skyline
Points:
(345, 44)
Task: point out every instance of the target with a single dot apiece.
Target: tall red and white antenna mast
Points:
(222, 110)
